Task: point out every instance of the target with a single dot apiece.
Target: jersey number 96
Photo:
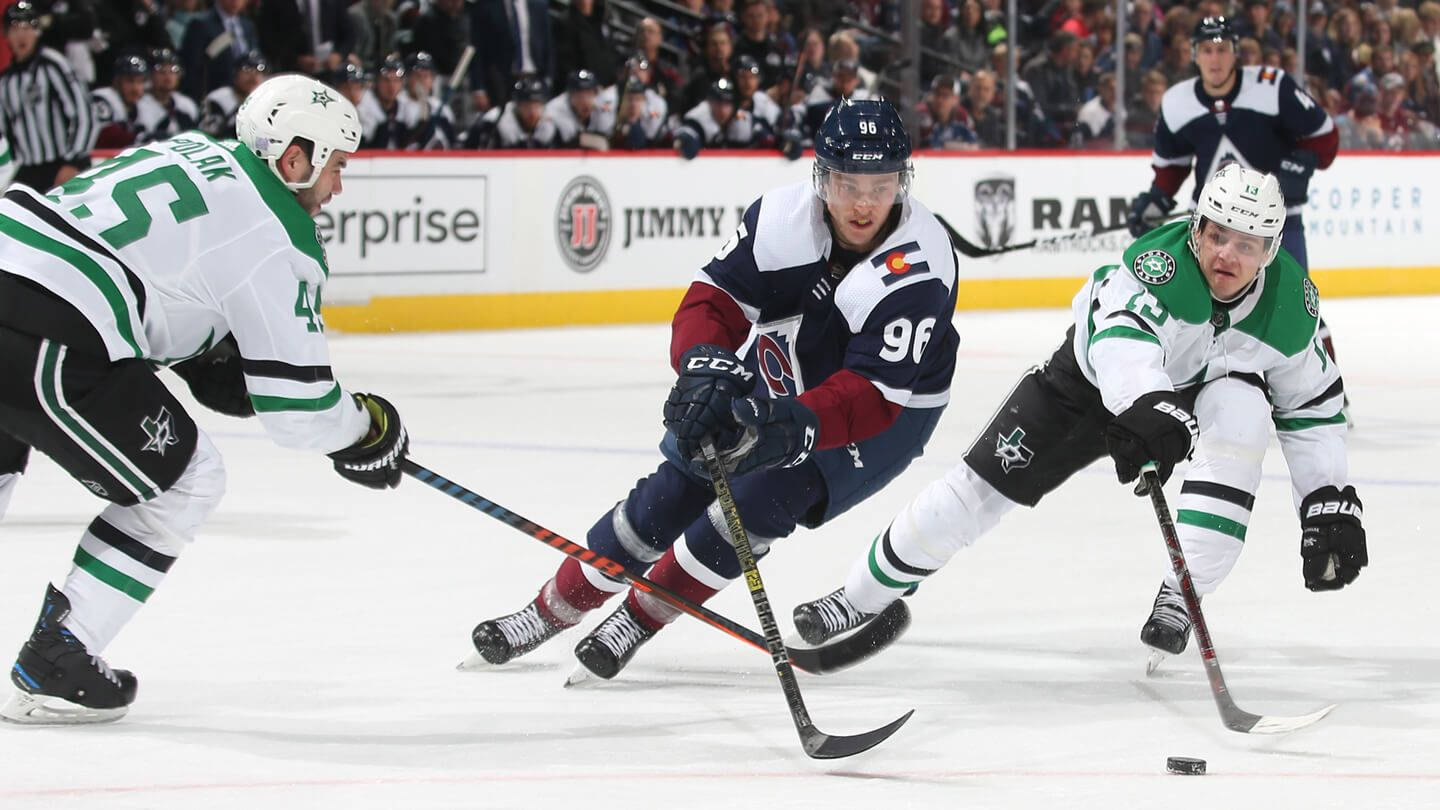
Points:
(904, 339)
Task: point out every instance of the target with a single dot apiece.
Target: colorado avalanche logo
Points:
(772, 353)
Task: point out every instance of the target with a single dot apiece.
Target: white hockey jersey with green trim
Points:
(1149, 324)
(168, 247)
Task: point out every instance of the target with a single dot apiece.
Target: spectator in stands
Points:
(1034, 128)
(842, 47)
(214, 45)
(351, 81)
(934, 36)
(374, 24)
(131, 27)
(519, 124)
(1284, 23)
(1321, 54)
(1178, 20)
(1051, 77)
(117, 107)
(1420, 85)
(443, 31)
(718, 51)
(512, 38)
(1403, 129)
(1142, 112)
(1430, 23)
(218, 110)
(844, 83)
(986, 119)
(1405, 27)
(943, 122)
(309, 36)
(639, 117)
(967, 40)
(1104, 41)
(1256, 25)
(665, 78)
(686, 26)
(165, 111)
(1345, 33)
(756, 41)
(811, 62)
(1144, 25)
(751, 100)
(1249, 51)
(383, 122)
(434, 125)
(1177, 65)
(1134, 68)
(1085, 72)
(1095, 122)
(178, 15)
(582, 41)
(576, 113)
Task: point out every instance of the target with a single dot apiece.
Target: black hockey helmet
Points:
(745, 63)
(581, 79)
(255, 61)
(530, 88)
(722, 89)
(348, 73)
(862, 137)
(1214, 29)
(164, 60)
(392, 65)
(131, 65)
(22, 13)
(420, 60)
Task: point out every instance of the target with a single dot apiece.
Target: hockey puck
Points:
(1185, 765)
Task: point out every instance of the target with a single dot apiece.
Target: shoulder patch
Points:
(1312, 298)
(1154, 267)
(901, 262)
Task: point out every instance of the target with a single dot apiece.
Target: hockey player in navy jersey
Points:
(841, 292)
(1256, 116)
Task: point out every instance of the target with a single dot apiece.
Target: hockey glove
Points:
(1149, 211)
(1155, 428)
(374, 461)
(1332, 541)
(1294, 173)
(711, 377)
(217, 380)
(687, 144)
(776, 433)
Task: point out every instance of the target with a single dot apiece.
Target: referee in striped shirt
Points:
(45, 111)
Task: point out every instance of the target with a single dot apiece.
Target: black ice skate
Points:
(610, 646)
(827, 617)
(501, 640)
(60, 682)
(1167, 631)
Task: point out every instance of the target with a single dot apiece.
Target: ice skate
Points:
(59, 681)
(610, 646)
(827, 617)
(502, 640)
(1167, 631)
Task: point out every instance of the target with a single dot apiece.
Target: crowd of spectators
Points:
(696, 74)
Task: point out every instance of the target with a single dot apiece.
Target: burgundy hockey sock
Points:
(572, 586)
(655, 614)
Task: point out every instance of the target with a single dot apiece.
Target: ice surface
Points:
(302, 651)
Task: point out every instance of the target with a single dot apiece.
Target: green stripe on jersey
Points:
(264, 404)
(120, 581)
(298, 224)
(88, 267)
(1126, 332)
(1215, 523)
(1292, 425)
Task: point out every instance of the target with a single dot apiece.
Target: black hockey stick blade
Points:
(1234, 718)
(820, 745)
(872, 637)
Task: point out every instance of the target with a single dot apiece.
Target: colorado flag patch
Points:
(900, 262)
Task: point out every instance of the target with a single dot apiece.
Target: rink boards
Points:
(420, 242)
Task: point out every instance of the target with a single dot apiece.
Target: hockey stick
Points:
(974, 251)
(816, 743)
(815, 660)
(1235, 718)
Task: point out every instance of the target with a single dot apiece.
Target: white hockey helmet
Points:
(291, 106)
(1243, 200)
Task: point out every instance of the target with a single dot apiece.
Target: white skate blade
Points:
(581, 677)
(1154, 661)
(474, 663)
(25, 709)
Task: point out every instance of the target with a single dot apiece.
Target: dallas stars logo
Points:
(1012, 452)
(1154, 267)
(321, 97)
(1312, 299)
(159, 432)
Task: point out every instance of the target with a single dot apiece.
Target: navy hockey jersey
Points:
(1260, 121)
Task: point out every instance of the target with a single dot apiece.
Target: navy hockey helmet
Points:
(131, 65)
(392, 65)
(348, 73)
(862, 137)
(255, 61)
(745, 63)
(1214, 29)
(22, 13)
(581, 80)
(530, 88)
(164, 60)
(420, 60)
(722, 89)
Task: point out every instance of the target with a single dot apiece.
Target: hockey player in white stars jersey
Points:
(191, 253)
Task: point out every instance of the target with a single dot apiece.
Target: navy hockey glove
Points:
(711, 377)
(1155, 428)
(1149, 211)
(777, 433)
(687, 144)
(217, 380)
(1332, 541)
(374, 461)
(1294, 173)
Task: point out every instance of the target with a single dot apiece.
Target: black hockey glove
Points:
(374, 461)
(1332, 541)
(776, 433)
(1294, 173)
(711, 377)
(1149, 211)
(217, 380)
(1155, 428)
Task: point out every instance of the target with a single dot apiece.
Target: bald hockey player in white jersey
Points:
(189, 253)
(1201, 339)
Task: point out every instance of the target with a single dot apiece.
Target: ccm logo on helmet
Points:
(866, 156)
(1333, 508)
(721, 365)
